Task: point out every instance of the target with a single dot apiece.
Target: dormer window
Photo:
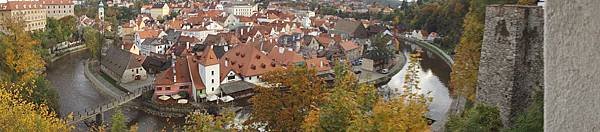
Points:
(253, 67)
(257, 56)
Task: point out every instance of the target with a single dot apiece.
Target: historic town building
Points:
(32, 13)
(58, 8)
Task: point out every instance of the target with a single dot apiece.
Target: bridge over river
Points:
(99, 109)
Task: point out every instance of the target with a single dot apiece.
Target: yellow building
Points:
(32, 13)
(159, 10)
(58, 8)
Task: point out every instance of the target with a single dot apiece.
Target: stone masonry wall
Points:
(511, 63)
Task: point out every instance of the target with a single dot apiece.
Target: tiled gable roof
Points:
(248, 61)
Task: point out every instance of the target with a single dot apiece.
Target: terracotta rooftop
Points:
(21, 5)
(248, 61)
(194, 72)
(284, 56)
(319, 64)
(150, 33)
(209, 57)
(348, 45)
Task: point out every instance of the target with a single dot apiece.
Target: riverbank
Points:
(102, 85)
(68, 52)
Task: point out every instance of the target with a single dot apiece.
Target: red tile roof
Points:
(284, 56)
(209, 57)
(348, 45)
(248, 61)
(150, 33)
(21, 5)
(320, 64)
(195, 72)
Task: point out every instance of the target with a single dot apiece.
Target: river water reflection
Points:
(434, 76)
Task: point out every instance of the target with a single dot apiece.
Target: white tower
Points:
(101, 11)
(210, 73)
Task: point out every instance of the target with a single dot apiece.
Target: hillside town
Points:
(260, 65)
(207, 49)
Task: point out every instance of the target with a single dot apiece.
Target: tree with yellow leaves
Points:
(18, 53)
(204, 122)
(283, 105)
(403, 113)
(356, 107)
(527, 2)
(20, 115)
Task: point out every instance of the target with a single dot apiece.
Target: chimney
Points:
(225, 48)
(187, 45)
(242, 33)
(281, 50)
(122, 46)
(332, 35)
(174, 58)
(321, 63)
(226, 61)
(173, 67)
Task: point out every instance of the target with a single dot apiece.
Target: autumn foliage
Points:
(286, 98)
(21, 115)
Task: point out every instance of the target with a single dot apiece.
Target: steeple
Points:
(101, 11)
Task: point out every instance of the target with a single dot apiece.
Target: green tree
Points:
(93, 41)
(532, 119)
(481, 118)
(117, 122)
(290, 96)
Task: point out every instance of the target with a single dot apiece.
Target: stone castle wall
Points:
(511, 63)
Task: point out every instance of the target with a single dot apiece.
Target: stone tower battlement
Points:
(511, 63)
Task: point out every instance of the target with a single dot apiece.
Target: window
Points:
(213, 89)
(158, 88)
(231, 77)
(249, 78)
(184, 87)
(212, 72)
(137, 71)
(212, 80)
(168, 88)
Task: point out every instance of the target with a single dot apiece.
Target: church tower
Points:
(101, 11)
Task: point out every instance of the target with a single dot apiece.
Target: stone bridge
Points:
(430, 47)
(99, 109)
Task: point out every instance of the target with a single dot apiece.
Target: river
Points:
(76, 93)
(434, 78)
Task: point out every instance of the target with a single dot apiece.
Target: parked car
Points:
(384, 71)
(357, 71)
